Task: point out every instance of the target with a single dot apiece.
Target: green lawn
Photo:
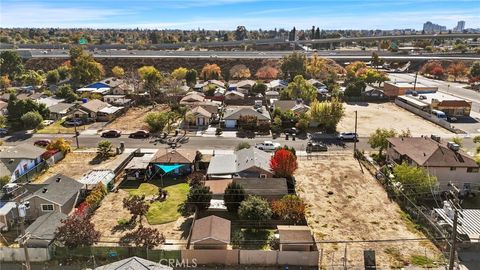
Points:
(166, 211)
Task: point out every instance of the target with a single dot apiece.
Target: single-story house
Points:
(202, 116)
(100, 111)
(216, 83)
(50, 101)
(295, 238)
(102, 87)
(19, 160)
(60, 110)
(231, 116)
(219, 92)
(192, 97)
(268, 188)
(58, 193)
(183, 158)
(136, 169)
(441, 159)
(134, 263)
(210, 232)
(245, 86)
(42, 230)
(277, 85)
(124, 89)
(234, 95)
(318, 84)
(245, 163)
(199, 87)
(118, 100)
(296, 106)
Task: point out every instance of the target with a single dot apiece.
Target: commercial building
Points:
(460, 26)
(395, 89)
(430, 27)
(450, 105)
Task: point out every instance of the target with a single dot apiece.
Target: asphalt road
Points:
(336, 55)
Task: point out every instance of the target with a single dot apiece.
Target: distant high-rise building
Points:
(460, 26)
(430, 27)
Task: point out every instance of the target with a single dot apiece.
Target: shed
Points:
(93, 177)
(295, 238)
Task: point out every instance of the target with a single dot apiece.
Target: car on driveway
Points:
(47, 122)
(290, 131)
(111, 133)
(73, 122)
(267, 146)
(316, 147)
(42, 143)
(348, 136)
(140, 134)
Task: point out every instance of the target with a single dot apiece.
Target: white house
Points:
(19, 160)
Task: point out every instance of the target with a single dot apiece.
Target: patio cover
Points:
(169, 168)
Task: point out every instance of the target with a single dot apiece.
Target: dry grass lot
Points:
(385, 115)
(74, 165)
(111, 210)
(132, 120)
(357, 208)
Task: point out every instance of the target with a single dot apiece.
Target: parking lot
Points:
(385, 115)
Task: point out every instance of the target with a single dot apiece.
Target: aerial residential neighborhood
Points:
(130, 145)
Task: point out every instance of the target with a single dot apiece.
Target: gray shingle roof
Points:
(235, 114)
(134, 263)
(263, 186)
(239, 161)
(58, 189)
(25, 151)
(44, 226)
(61, 107)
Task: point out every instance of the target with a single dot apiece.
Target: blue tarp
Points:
(169, 168)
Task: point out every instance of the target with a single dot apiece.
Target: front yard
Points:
(166, 211)
(58, 128)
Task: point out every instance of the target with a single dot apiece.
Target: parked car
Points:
(111, 133)
(47, 122)
(451, 119)
(316, 147)
(42, 143)
(140, 134)
(73, 122)
(3, 131)
(348, 136)
(267, 146)
(290, 131)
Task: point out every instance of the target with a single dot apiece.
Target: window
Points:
(453, 168)
(263, 175)
(472, 170)
(47, 207)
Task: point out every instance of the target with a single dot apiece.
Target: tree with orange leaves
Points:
(283, 163)
(289, 207)
(457, 69)
(210, 72)
(267, 73)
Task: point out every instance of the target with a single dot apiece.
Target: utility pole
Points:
(454, 203)
(355, 139)
(76, 135)
(23, 239)
(415, 83)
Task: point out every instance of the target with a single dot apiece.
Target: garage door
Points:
(230, 123)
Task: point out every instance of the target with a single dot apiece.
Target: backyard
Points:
(75, 165)
(346, 203)
(163, 216)
(251, 239)
(385, 115)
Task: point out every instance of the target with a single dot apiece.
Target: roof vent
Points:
(435, 138)
(58, 179)
(453, 146)
(44, 190)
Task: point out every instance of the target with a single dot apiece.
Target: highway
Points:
(335, 55)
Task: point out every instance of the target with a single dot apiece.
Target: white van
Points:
(439, 114)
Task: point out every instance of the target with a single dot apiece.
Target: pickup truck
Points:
(267, 146)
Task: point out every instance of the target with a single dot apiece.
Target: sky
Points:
(228, 14)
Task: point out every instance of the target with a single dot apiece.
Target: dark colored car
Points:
(451, 119)
(111, 133)
(3, 131)
(73, 122)
(42, 143)
(140, 134)
(316, 147)
(290, 131)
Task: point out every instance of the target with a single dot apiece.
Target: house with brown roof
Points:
(295, 238)
(185, 158)
(201, 117)
(441, 159)
(98, 110)
(210, 232)
(245, 86)
(296, 106)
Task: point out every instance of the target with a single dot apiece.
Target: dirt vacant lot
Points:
(74, 165)
(385, 115)
(132, 120)
(346, 204)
